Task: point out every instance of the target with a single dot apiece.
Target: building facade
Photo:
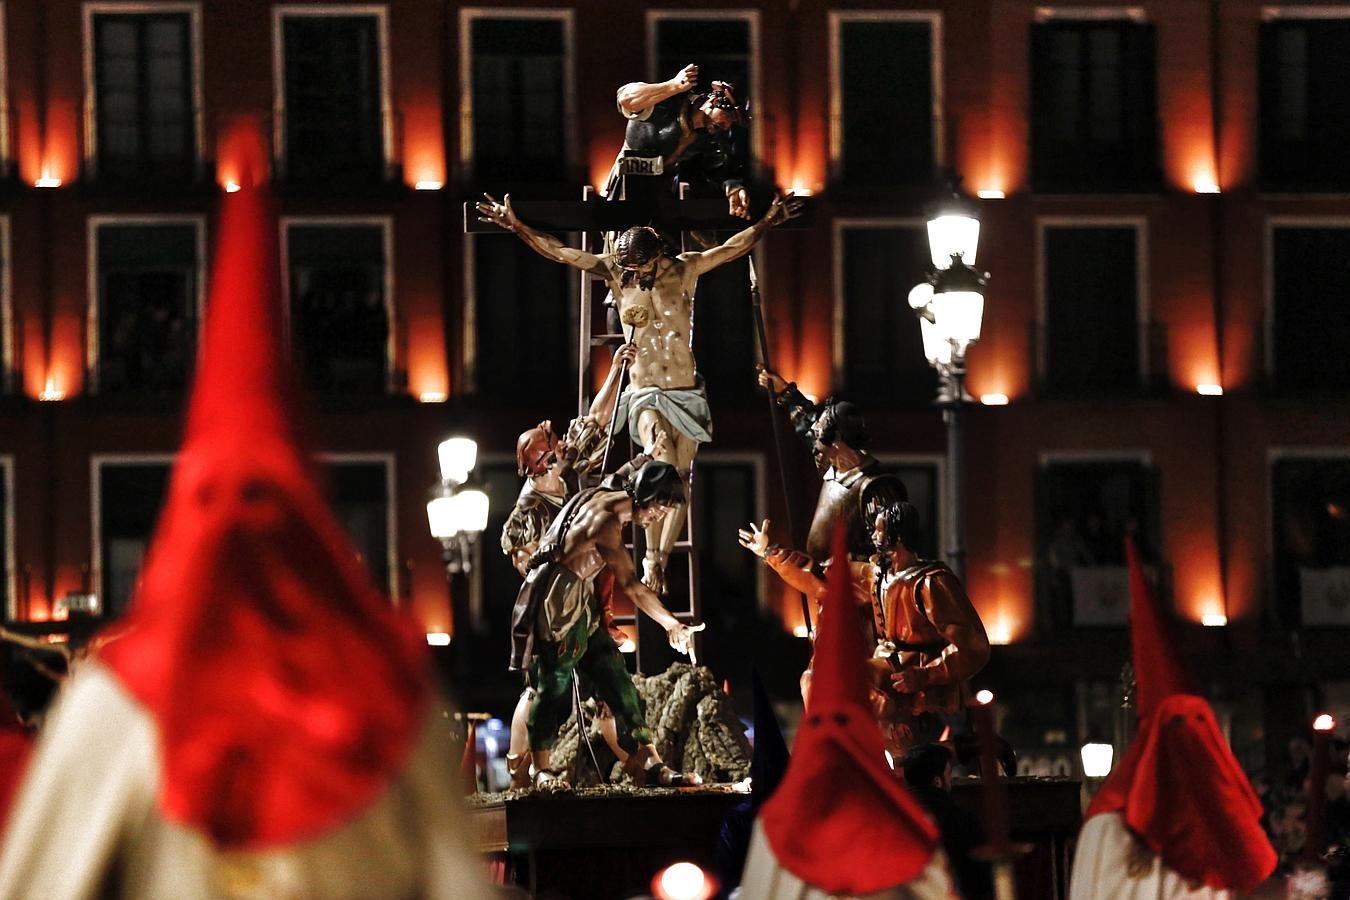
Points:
(1164, 215)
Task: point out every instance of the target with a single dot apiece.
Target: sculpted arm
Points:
(951, 612)
(546, 245)
(609, 543)
(636, 96)
(781, 210)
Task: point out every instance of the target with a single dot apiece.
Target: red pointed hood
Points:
(840, 821)
(1178, 787)
(286, 689)
(1158, 670)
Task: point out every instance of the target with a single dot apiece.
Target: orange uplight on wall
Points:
(990, 194)
(52, 392)
(1202, 182)
(47, 180)
(242, 153)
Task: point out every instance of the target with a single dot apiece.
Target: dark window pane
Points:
(519, 76)
(1305, 104)
(724, 332)
(522, 318)
(1094, 107)
(333, 116)
(1310, 269)
(131, 496)
(719, 47)
(883, 352)
(887, 87)
(147, 307)
(1084, 511)
(359, 495)
(1091, 327)
(338, 305)
(1311, 536)
(143, 79)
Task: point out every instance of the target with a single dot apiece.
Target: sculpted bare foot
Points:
(549, 780)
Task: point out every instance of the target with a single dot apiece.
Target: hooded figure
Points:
(840, 823)
(264, 723)
(1177, 818)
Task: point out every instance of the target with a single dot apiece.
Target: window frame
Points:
(97, 463)
(92, 8)
(755, 460)
(1142, 307)
(838, 314)
(6, 147)
(8, 346)
(752, 19)
(8, 583)
(92, 280)
(838, 18)
(1278, 453)
(386, 225)
(469, 338)
(389, 460)
(282, 11)
(467, 16)
(1320, 222)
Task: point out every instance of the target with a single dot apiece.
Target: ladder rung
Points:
(598, 339)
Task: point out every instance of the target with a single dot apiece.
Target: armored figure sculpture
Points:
(674, 129)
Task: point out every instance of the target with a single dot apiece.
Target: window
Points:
(1091, 308)
(878, 349)
(9, 379)
(1304, 103)
(8, 595)
(339, 300)
(142, 87)
(884, 102)
(1308, 268)
(522, 321)
(145, 301)
(518, 81)
(1093, 106)
(359, 489)
(724, 333)
(129, 493)
(722, 45)
(1310, 499)
(335, 122)
(1084, 510)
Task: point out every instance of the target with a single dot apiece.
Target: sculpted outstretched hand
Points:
(783, 208)
(498, 213)
(680, 636)
(756, 540)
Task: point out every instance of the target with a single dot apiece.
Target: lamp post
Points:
(950, 306)
(457, 514)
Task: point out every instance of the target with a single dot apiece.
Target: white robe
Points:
(86, 823)
(765, 879)
(1101, 868)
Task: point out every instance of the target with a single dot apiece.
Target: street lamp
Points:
(457, 512)
(950, 306)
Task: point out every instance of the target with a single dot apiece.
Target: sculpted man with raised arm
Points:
(555, 626)
(654, 291)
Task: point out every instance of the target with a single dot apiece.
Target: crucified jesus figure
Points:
(654, 292)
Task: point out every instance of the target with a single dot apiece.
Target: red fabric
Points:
(288, 692)
(1178, 787)
(1182, 793)
(16, 745)
(840, 820)
(1158, 670)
